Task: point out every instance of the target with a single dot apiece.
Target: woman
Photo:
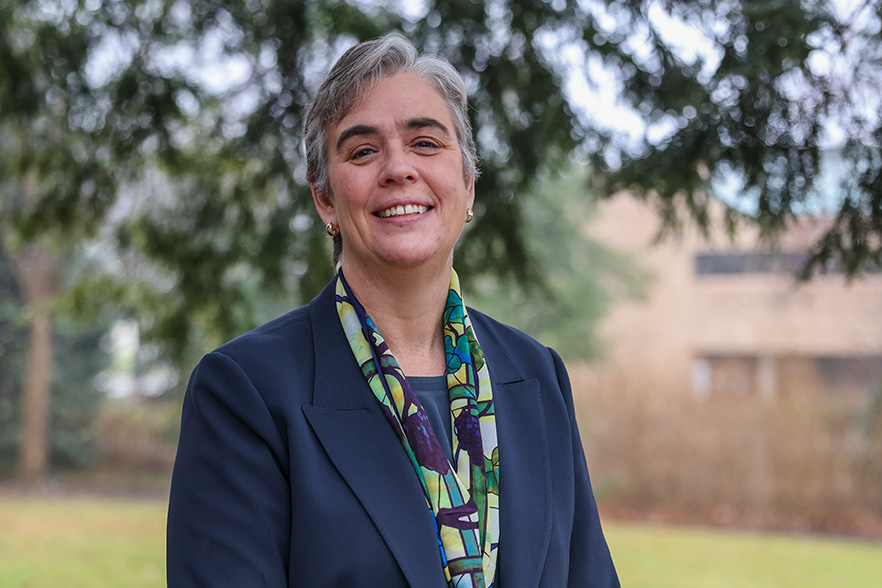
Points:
(383, 435)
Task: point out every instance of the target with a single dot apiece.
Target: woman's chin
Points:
(413, 260)
(408, 259)
(412, 253)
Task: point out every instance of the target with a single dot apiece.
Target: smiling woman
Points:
(396, 185)
(443, 452)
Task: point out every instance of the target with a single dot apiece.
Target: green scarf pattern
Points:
(464, 500)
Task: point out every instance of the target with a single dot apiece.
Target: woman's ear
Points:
(323, 204)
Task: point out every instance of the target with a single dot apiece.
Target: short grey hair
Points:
(357, 70)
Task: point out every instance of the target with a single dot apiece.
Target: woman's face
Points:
(395, 178)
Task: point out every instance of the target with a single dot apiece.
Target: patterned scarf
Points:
(464, 502)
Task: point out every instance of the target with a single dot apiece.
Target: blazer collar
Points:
(376, 468)
(337, 375)
(354, 432)
(525, 485)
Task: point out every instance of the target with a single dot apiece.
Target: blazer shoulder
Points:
(532, 358)
(505, 335)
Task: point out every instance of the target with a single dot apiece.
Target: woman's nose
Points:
(398, 167)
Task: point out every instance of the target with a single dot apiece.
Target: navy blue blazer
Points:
(288, 474)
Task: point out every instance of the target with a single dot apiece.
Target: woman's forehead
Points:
(405, 99)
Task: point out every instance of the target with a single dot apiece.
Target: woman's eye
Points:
(363, 152)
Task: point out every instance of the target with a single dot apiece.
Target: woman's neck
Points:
(407, 306)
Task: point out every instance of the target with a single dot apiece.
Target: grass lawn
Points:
(81, 542)
(98, 543)
(665, 557)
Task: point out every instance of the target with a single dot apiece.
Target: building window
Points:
(747, 263)
(771, 376)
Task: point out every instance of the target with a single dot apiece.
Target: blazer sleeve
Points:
(229, 516)
(591, 565)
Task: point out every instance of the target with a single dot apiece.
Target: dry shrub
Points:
(805, 460)
(137, 435)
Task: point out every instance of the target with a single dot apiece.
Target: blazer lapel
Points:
(524, 467)
(363, 447)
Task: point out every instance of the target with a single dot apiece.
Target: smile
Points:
(402, 210)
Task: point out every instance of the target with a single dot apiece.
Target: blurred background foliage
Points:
(75, 400)
(151, 168)
(580, 276)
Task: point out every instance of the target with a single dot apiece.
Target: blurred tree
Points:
(13, 342)
(171, 129)
(66, 144)
(75, 400)
(580, 277)
(781, 98)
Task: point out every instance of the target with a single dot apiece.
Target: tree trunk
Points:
(39, 275)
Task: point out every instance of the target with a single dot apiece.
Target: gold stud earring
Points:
(332, 229)
(469, 215)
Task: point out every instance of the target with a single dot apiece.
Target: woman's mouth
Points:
(402, 210)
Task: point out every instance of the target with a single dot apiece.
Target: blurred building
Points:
(725, 317)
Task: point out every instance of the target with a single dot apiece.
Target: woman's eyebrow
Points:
(355, 131)
(424, 122)
(410, 124)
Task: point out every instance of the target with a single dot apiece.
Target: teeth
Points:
(402, 210)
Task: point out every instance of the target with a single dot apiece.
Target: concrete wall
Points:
(760, 319)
